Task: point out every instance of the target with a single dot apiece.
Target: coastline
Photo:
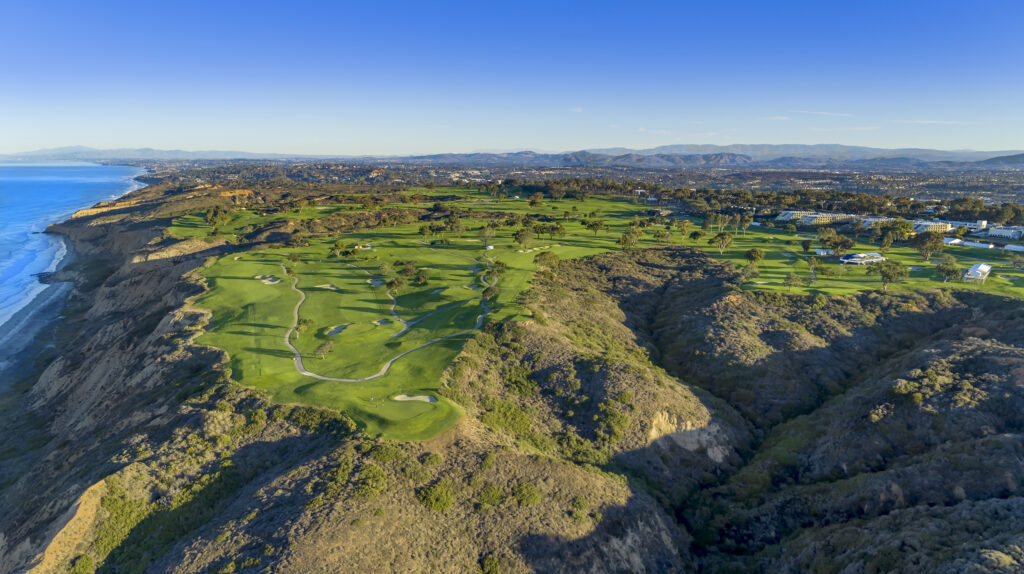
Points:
(21, 330)
(22, 334)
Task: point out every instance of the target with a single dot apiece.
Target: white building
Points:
(862, 258)
(786, 216)
(1006, 232)
(977, 273)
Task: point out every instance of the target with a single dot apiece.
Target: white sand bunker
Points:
(237, 258)
(267, 279)
(332, 287)
(915, 267)
(438, 290)
(421, 398)
(375, 282)
(338, 329)
(1008, 277)
(539, 248)
(382, 322)
(788, 254)
(474, 286)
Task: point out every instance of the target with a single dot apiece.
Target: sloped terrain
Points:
(649, 416)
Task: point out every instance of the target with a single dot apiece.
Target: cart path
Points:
(297, 357)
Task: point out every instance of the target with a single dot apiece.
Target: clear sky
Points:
(432, 76)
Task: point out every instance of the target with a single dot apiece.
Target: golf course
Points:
(366, 321)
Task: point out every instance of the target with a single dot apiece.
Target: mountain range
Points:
(739, 156)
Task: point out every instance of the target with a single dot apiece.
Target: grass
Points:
(784, 255)
(250, 317)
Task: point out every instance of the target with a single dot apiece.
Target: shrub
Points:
(432, 458)
(526, 493)
(372, 481)
(492, 495)
(386, 452)
(437, 496)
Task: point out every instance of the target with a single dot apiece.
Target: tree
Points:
(595, 225)
(489, 293)
(948, 268)
(889, 271)
(696, 235)
(928, 243)
(293, 257)
(397, 283)
(324, 349)
(793, 280)
(662, 236)
(1017, 261)
(745, 222)
(722, 241)
(754, 255)
(887, 241)
(748, 273)
(806, 245)
(683, 225)
(523, 236)
(839, 244)
(813, 263)
(486, 234)
(536, 199)
(629, 239)
(546, 259)
(426, 231)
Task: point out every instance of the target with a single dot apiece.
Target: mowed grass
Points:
(784, 255)
(250, 317)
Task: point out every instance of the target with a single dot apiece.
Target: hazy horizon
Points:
(410, 79)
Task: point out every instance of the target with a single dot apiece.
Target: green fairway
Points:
(348, 304)
(784, 255)
(380, 343)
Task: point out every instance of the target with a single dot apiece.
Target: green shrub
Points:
(82, 565)
(386, 452)
(490, 565)
(432, 458)
(526, 493)
(437, 496)
(492, 495)
(372, 481)
(489, 460)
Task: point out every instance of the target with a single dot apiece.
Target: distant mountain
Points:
(838, 152)
(739, 156)
(1016, 160)
(80, 153)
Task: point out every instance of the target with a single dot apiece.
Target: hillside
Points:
(628, 410)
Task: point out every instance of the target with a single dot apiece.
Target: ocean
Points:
(32, 196)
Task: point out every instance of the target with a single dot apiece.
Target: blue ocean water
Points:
(34, 195)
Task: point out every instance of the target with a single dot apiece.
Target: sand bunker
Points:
(382, 322)
(915, 267)
(338, 329)
(1008, 277)
(237, 258)
(375, 282)
(539, 248)
(421, 398)
(436, 291)
(267, 279)
(331, 287)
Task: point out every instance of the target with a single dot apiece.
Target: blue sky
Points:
(422, 77)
